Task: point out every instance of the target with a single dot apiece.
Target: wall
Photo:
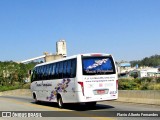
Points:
(140, 96)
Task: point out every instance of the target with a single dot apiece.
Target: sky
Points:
(127, 29)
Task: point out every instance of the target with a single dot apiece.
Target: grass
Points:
(6, 88)
(16, 86)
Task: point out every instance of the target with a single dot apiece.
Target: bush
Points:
(139, 84)
(144, 86)
(154, 86)
(158, 80)
(138, 81)
(26, 86)
(146, 79)
(125, 84)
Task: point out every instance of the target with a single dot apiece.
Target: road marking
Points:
(56, 109)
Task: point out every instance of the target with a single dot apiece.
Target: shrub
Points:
(26, 86)
(137, 80)
(139, 84)
(154, 86)
(158, 80)
(144, 86)
(146, 79)
(125, 84)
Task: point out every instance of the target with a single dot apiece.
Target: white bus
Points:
(84, 78)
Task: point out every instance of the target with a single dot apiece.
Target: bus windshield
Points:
(98, 65)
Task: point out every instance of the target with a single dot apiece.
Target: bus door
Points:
(68, 82)
(38, 84)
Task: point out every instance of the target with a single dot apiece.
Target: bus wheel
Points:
(35, 98)
(90, 104)
(60, 102)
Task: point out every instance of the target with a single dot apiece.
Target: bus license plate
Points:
(100, 91)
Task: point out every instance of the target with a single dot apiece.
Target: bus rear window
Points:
(98, 65)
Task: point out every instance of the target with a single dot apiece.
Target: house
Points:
(145, 72)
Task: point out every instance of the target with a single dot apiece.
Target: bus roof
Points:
(74, 56)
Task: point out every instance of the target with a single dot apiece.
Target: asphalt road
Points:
(25, 106)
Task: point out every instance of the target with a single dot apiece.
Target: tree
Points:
(11, 72)
(151, 61)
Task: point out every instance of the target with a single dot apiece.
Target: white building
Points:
(146, 72)
(61, 48)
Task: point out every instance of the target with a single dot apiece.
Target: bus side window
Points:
(73, 68)
(60, 70)
(46, 72)
(49, 71)
(65, 69)
(37, 73)
(68, 75)
(53, 71)
(56, 71)
(42, 72)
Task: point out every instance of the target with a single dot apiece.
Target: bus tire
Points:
(60, 101)
(35, 98)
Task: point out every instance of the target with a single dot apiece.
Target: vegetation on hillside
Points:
(13, 75)
(151, 61)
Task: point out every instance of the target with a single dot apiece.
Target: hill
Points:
(152, 61)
